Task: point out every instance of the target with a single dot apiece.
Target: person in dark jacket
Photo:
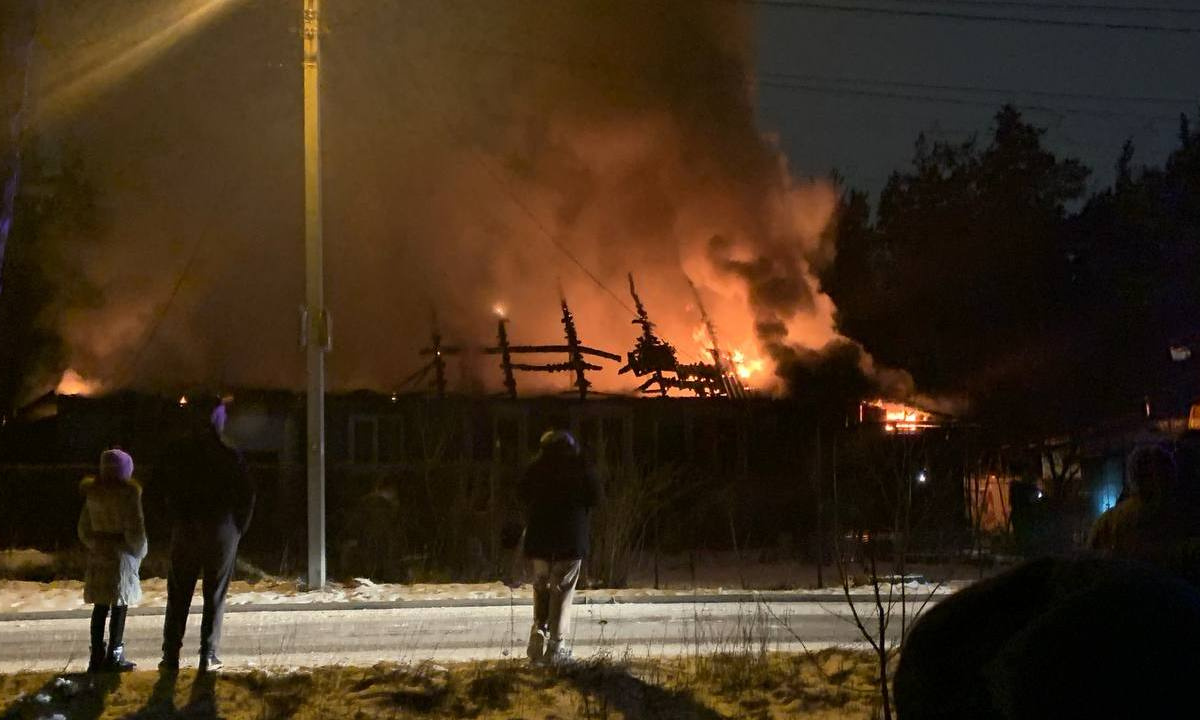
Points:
(210, 499)
(558, 491)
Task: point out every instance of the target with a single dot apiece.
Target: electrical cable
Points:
(832, 7)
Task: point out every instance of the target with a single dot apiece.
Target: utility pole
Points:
(316, 318)
(820, 513)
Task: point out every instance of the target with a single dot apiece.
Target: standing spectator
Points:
(210, 500)
(112, 529)
(1144, 526)
(558, 491)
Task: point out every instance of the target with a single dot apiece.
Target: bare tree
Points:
(885, 473)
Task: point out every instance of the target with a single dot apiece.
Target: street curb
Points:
(707, 599)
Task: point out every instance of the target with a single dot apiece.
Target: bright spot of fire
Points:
(896, 416)
(183, 401)
(746, 367)
(72, 383)
(499, 310)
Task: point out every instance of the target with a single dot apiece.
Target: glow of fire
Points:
(134, 44)
(500, 311)
(898, 417)
(183, 401)
(72, 383)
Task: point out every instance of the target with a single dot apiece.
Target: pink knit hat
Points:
(115, 465)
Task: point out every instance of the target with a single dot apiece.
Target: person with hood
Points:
(558, 491)
(1143, 526)
(113, 530)
(210, 500)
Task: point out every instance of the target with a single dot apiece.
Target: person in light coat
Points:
(113, 530)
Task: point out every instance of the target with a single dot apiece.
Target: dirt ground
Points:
(832, 684)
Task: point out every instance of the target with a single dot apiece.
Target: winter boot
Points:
(557, 654)
(96, 663)
(536, 648)
(209, 662)
(116, 661)
(99, 649)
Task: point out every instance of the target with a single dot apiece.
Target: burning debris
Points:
(574, 349)
(657, 358)
(896, 417)
(651, 356)
(437, 353)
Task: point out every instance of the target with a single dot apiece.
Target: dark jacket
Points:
(206, 484)
(558, 491)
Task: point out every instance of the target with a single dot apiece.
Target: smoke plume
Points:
(475, 153)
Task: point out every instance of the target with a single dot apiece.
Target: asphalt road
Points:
(364, 636)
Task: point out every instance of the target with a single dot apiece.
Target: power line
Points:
(769, 75)
(830, 7)
(882, 88)
(1059, 6)
(1056, 110)
(515, 198)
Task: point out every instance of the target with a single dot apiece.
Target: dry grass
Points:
(830, 684)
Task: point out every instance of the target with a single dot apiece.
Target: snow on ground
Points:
(17, 596)
(709, 574)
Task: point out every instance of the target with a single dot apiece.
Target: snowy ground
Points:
(67, 595)
(717, 576)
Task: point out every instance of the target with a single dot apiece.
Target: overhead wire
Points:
(514, 197)
(1038, 6)
(835, 7)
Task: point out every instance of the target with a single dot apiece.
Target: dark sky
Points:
(854, 67)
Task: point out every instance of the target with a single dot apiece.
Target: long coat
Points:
(559, 490)
(113, 530)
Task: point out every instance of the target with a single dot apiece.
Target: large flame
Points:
(72, 383)
(897, 417)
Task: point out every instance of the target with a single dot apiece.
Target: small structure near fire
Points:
(897, 417)
(652, 358)
(437, 364)
(574, 348)
(657, 358)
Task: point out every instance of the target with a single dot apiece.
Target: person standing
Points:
(558, 490)
(210, 500)
(113, 530)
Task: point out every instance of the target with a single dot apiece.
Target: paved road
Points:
(363, 636)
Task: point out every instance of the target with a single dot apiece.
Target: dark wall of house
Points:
(425, 487)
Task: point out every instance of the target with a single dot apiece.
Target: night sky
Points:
(857, 67)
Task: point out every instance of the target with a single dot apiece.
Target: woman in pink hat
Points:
(113, 530)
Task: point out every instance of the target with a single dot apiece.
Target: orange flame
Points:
(72, 383)
(898, 417)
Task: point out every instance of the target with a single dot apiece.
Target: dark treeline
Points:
(986, 271)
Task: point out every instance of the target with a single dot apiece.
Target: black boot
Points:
(116, 648)
(116, 660)
(96, 663)
(209, 662)
(98, 656)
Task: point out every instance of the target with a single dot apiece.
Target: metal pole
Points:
(316, 317)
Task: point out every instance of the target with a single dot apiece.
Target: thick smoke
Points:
(474, 154)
